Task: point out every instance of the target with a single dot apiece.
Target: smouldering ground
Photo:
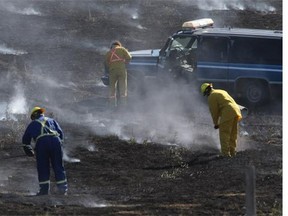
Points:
(160, 160)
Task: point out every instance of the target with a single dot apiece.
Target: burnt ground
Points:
(144, 161)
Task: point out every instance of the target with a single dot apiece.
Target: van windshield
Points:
(183, 43)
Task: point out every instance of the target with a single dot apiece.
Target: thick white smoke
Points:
(18, 103)
(173, 116)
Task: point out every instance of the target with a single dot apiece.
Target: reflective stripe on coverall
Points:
(225, 112)
(116, 60)
(48, 135)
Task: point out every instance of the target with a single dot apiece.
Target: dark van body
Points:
(245, 62)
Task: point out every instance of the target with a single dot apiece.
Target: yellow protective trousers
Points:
(117, 77)
(228, 132)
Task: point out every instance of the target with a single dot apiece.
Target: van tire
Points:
(255, 92)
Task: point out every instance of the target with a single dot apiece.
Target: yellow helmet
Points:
(204, 87)
(37, 109)
(116, 43)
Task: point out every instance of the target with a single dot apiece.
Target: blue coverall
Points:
(48, 136)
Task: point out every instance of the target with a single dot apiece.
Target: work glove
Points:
(216, 127)
(28, 150)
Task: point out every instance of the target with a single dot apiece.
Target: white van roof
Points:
(243, 32)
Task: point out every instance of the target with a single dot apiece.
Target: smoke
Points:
(30, 10)
(174, 115)
(3, 107)
(209, 5)
(5, 50)
(18, 103)
(56, 78)
(56, 71)
(70, 159)
(177, 116)
(25, 11)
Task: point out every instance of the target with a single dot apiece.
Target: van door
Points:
(177, 53)
(163, 54)
(212, 60)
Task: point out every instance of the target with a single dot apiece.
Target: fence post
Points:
(250, 200)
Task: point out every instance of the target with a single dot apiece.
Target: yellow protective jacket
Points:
(223, 106)
(116, 58)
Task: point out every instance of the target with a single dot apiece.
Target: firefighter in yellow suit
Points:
(116, 60)
(225, 113)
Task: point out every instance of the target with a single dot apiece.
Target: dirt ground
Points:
(158, 157)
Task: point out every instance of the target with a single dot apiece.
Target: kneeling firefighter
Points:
(48, 136)
(225, 113)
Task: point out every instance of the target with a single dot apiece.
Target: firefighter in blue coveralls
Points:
(48, 136)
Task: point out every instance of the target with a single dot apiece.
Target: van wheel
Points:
(255, 92)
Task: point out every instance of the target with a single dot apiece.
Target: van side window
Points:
(213, 49)
(180, 42)
(256, 51)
